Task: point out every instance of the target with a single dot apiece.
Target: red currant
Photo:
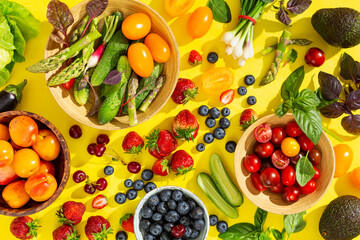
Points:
(101, 184)
(79, 176)
(75, 132)
(99, 150)
(102, 138)
(134, 167)
(178, 231)
(91, 148)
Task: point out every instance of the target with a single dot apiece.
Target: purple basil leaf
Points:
(348, 89)
(96, 107)
(353, 100)
(298, 6)
(113, 78)
(351, 124)
(349, 69)
(96, 7)
(333, 110)
(283, 17)
(330, 86)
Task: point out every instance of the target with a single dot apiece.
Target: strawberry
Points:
(195, 58)
(24, 227)
(248, 117)
(185, 126)
(133, 143)
(65, 232)
(185, 90)
(182, 162)
(161, 167)
(127, 222)
(97, 228)
(71, 212)
(161, 143)
(227, 96)
(99, 202)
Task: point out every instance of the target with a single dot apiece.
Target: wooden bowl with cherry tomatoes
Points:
(267, 158)
(34, 163)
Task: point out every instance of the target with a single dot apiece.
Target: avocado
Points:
(341, 219)
(339, 27)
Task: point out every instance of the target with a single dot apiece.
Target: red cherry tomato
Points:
(308, 188)
(265, 163)
(200, 22)
(269, 177)
(278, 135)
(317, 174)
(252, 163)
(277, 188)
(290, 194)
(294, 160)
(255, 179)
(69, 84)
(264, 150)
(288, 176)
(305, 143)
(315, 57)
(314, 157)
(263, 133)
(293, 130)
(280, 160)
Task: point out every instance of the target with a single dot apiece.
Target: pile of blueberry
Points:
(138, 185)
(249, 80)
(171, 215)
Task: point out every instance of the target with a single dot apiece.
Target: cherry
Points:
(79, 176)
(99, 150)
(178, 231)
(89, 188)
(102, 138)
(91, 148)
(75, 132)
(134, 167)
(101, 184)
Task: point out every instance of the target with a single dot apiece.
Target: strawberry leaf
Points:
(125, 218)
(151, 143)
(247, 124)
(33, 227)
(185, 134)
(188, 94)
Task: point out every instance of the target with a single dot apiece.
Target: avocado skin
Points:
(339, 27)
(341, 219)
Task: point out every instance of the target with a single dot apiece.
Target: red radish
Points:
(96, 56)
(227, 96)
(69, 84)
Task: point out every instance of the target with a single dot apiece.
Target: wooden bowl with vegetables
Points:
(138, 68)
(251, 161)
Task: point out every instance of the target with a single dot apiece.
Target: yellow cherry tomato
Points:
(343, 159)
(158, 47)
(217, 80)
(136, 26)
(200, 22)
(355, 177)
(140, 59)
(290, 147)
(177, 8)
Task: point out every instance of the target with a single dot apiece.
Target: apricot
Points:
(15, 195)
(6, 153)
(4, 133)
(23, 131)
(47, 145)
(26, 162)
(41, 186)
(46, 167)
(7, 175)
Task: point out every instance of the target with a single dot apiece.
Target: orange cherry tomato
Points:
(160, 50)
(4, 132)
(23, 131)
(26, 162)
(6, 153)
(46, 167)
(15, 195)
(41, 186)
(217, 80)
(343, 159)
(136, 26)
(355, 177)
(290, 147)
(177, 8)
(140, 59)
(200, 22)
(47, 145)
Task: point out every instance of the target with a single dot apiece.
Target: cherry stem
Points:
(117, 157)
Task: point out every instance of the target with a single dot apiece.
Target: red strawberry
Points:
(185, 126)
(248, 117)
(99, 202)
(127, 222)
(195, 58)
(71, 212)
(24, 227)
(133, 143)
(185, 90)
(161, 167)
(227, 96)
(181, 162)
(161, 143)
(65, 232)
(97, 228)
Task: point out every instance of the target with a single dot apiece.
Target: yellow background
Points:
(38, 99)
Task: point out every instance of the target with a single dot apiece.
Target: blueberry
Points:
(120, 198)
(198, 225)
(149, 237)
(165, 195)
(157, 217)
(224, 123)
(109, 170)
(203, 110)
(172, 217)
(183, 208)
(144, 224)
(212, 57)
(225, 111)
(168, 227)
(200, 147)
(242, 91)
(162, 208)
(149, 187)
(208, 137)
(121, 235)
(165, 236)
(213, 220)
(131, 194)
(154, 200)
(251, 100)
(222, 227)
(194, 234)
(147, 175)
(146, 212)
(185, 220)
(210, 122)
(152, 207)
(249, 80)
(188, 232)
(197, 213)
(219, 133)
(171, 204)
(192, 204)
(128, 183)
(230, 146)
(138, 185)
(177, 195)
(214, 113)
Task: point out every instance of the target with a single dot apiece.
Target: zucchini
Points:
(209, 188)
(224, 183)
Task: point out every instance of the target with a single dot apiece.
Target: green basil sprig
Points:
(304, 170)
(221, 10)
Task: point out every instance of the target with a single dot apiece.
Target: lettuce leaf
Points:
(4, 76)
(19, 42)
(5, 57)
(6, 37)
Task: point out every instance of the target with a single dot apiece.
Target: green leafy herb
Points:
(291, 57)
(6, 37)
(260, 218)
(304, 171)
(19, 42)
(292, 84)
(294, 223)
(349, 68)
(221, 10)
(240, 231)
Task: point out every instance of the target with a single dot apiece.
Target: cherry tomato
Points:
(69, 84)
(177, 8)
(305, 143)
(269, 177)
(264, 150)
(200, 22)
(263, 133)
(136, 26)
(294, 160)
(265, 163)
(290, 194)
(252, 163)
(23, 131)
(280, 160)
(343, 159)
(288, 176)
(4, 132)
(277, 188)
(317, 174)
(308, 188)
(140, 59)
(315, 57)
(158, 47)
(255, 179)
(278, 135)
(293, 130)
(355, 177)
(314, 157)
(6, 153)
(217, 80)
(290, 147)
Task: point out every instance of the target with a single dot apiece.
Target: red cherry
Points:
(178, 231)
(101, 184)
(75, 132)
(99, 150)
(134, 167)
(89, 188)
(79, 176)
(91, 148)
(102, 138)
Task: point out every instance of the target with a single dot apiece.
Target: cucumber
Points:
(224, 183)
(82, 96)
(209, 188)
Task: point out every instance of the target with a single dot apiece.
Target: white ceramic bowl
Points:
(137, 217)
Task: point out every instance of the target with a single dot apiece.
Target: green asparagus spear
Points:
(150, 98)
(56, 61)
(132, 87)
(299, 42)
(76, 34)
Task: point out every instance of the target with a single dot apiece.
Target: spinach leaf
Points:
(309, 120)
(351, 124)
(19, 42)
(6, 37)
(294, 223)
(282, 109)
(221, 10)
(298, 6)
(304, 171)
(333, 110)
(240, 231)
(330, 86)
(292, 84)
(349, 69)
(306, 98)
(353, 100)
(260, 218)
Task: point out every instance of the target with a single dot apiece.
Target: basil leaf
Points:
(306, 98)
(292, 84)
(265, 235)
(351, 124)
(330, 86)
(267, 1)
(291, 57)
(277, 234)
(298, 6)
(260, 218)
(304, 171)
(323, 102)
(353, 100)
(221, 10)
(282, 109)
(283, 17)
(309, 120)
(349, 69)
(294, 223)
(334, 110)
(113, 78)
(239, 231)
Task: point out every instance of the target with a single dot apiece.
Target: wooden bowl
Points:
(171, 68)
(62, 167)
(268, 200)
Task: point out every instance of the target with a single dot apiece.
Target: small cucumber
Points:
(82, 96)
(224, 183)
(209, 188)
